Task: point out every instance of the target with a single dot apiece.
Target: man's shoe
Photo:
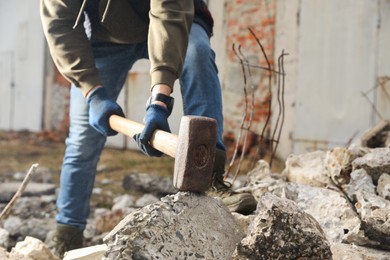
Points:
(67, 238)
(240, 202)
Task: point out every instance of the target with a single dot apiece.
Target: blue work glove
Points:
(156, 117)
(101, 107)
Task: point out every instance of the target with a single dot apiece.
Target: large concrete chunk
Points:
(31, 248)
(353, 252)
(308, 168)
(282, 231)
(181, 226)
(375, 163)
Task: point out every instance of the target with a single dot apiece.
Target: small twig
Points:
(19, 192)
(372, 105)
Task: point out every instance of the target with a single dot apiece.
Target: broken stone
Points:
(4, 254)
(261, 180)
(86, 253)
(41, 175)
(338, 163)
(378, 136)
(374, 212)
(4, 238)
(282, 231)
(124, 201)
(383, 187)
(375, 163)
(330, 208)
(8, 189)
(360, 181)
(308, 168)
(147, 183)
(27, 207)
(20, 228)
(31, 249)
(358, 150)
(12, 225)
(357, 236)
(145, 200)
(243, 220)
(184, 225)
(353, 252)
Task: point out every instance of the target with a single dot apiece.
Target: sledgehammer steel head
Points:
(195, 153)
(193, 149)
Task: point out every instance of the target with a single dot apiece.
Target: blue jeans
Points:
(201, 94)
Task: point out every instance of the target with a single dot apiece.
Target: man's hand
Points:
(101, 107)
(156, 117)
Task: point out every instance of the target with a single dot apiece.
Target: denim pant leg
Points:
(84, 144)
(200, 86)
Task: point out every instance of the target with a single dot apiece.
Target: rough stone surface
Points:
(353, 252)
(3, 253)
(145, 200)
(308, 168)
(180, 226)
(4, 238)
(31, 249)
(375, 163)
(34, 227)
(338, 163)
(375, 214)
(383, 187)
(360, 181)
(86, 253)
(261, 180)
(329, 207)
(282, 231)
(243, 220)
(124, 201)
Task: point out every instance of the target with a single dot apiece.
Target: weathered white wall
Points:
(382, 96)
(287, 40)
(21, 65)
(337, 49)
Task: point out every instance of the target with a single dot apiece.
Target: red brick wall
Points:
(259, 16)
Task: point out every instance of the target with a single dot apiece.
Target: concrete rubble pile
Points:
(331, 204)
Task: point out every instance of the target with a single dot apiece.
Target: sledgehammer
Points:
(193, 148)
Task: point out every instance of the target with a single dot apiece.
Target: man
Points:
(96, 60)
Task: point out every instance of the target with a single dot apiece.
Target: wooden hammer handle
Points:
(163, 141)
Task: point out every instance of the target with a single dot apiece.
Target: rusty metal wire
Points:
(249, 110)
(246, 128)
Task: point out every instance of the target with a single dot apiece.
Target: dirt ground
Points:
(19, 150)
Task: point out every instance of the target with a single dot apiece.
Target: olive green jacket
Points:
(116, 21)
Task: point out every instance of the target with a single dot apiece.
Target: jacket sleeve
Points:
(170, 23)
(69, 48)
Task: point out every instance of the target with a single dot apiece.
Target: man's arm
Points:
(69, 47)
(170, 24)
(72, 53)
